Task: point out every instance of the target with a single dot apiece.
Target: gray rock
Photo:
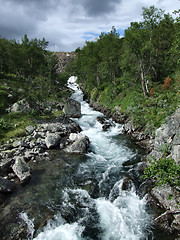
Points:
(72, 108)
(5, 165)
(55, 127)
(19, 143)
(168, 136)
(161, 194)
(41, 143)
(176, 153)
(7, 186)
(30, 129)
(22, 170)
(167, 200)
(52, 140)
(29, 154)
(21, 106)
(32, 144)
(79, 146)
(36, 135)
(128, 127)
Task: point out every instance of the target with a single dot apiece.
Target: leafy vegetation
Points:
(27, 71)
(163, 171)
(139, 72)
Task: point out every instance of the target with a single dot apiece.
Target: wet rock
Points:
(72, 108)
(2, 199)
(22, 170)
(131, 161)
(118, 116)
(127, 184)
(7, 186)
(145, 187)
(80, 144)
(5, 165)
(106, 123)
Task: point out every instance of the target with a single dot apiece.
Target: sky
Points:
(67, 24)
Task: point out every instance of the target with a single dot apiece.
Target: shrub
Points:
(4, 125)
(163, 171)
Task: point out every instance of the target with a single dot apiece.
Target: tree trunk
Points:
(142, 78)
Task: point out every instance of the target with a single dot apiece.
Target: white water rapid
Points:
(110, 213)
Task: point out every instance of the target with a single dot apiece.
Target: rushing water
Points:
(94, 206)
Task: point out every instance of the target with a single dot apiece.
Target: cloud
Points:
(99, 7)
(14, 22)
(68, 24)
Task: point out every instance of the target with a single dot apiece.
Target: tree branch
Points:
(167, 213)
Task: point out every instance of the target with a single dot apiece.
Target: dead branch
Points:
(167, 213)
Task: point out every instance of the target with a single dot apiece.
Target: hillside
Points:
(31, 85)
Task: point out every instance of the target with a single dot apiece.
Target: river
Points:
(93, 204)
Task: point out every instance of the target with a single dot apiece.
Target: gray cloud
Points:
(66, 24)
(99, 7)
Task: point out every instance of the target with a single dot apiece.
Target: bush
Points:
(163, 171)
(4, 125)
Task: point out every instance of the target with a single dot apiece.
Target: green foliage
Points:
(27, 71)
(4, 125)
(163, 171)
(129, 72)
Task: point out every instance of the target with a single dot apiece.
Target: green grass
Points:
(13, 126)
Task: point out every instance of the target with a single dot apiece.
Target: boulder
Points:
(167, 137)
(52, 140)
(30, 129)
(127, 184)
(72, 108)
(106, 124)
(167, 200)
(21, 106)
(75, 136)
(80, 144)
(7, 186)
(51, 127)
(22, 170)
(19, 143)
(5, 165)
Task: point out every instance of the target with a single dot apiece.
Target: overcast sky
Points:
(67, 24)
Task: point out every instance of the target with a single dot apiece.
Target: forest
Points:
(139, 73)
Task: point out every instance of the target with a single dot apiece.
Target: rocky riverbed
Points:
(21, 158)
(61, 133)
